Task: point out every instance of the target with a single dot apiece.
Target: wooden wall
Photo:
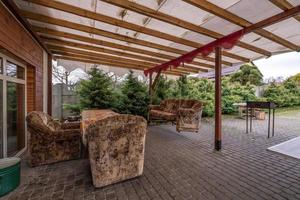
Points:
(30, 88)
(15, 39)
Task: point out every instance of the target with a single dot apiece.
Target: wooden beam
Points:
(108, 60)
(212, 8)
(109, 57)
(92, 61)
(153, 86)
(218, 100)
(80, 38)
(91, 30)
(121, 23)
(274, 19)
(150, 95)
(155, 61)
(129, 5)
(284, 5)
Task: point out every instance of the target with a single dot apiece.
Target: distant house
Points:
(225, 72)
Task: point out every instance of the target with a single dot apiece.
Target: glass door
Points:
(15, 118)
(12, 107)
(1, 118)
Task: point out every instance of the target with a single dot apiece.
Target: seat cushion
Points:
(158, 114)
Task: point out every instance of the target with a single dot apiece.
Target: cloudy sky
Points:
(283, 65)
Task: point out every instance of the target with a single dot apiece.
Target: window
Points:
(14, 70)
(15, 117)
(12, 107)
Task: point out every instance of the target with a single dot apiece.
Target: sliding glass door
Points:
(12, 107)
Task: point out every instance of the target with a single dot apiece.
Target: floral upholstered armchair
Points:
(51, 141)
(186, 113)
(189, 115)
(116, 148)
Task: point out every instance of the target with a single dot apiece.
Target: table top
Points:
(260, 104)
(240, 104)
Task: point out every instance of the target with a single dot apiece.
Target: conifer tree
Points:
(96, 92)
(134, 99)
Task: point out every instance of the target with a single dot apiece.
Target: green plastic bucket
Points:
(9, 175)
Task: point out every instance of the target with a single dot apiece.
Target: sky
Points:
(283, 65)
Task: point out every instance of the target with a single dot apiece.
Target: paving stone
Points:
(183, 166)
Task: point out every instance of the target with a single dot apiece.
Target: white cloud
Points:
(283, 65)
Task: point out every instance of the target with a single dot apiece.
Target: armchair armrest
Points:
(154, 107)
(70, 125)
(67, 134)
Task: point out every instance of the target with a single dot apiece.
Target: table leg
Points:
(273, 122)
(269, 123)
(246, 119)
(251, 114)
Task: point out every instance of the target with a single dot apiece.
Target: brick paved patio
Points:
(184, 166)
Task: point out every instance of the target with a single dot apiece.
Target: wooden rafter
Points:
(120, 23)
(91, 30)
(113, 64)
(178, 22)
(154, 61)
(212, 8)
(96, 56)
(284, 5)
(80, 38)
(273, 20)
(217, 44)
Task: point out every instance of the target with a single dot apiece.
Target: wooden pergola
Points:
(144, 34)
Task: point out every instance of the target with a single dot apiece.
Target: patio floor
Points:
(184, 166)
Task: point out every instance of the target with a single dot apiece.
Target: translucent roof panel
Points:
(127, 27)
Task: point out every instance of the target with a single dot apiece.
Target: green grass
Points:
(288, 109)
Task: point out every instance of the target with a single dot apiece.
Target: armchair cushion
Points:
(159, 114)
(70, 125)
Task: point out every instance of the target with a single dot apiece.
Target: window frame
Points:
(6, 79)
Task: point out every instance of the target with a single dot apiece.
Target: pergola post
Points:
(150, 89)
(49, 85)
(218, 95)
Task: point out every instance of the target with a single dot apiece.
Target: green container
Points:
(9, 175)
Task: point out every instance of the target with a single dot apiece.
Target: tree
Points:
(162, 90)
(283, 94)
(296, 79)
(97, 91)
(133, 96)
(248, 74)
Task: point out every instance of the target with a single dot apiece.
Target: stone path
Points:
(184, 166)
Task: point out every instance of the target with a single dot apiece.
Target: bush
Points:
(203, 90)
(73, 108)
(97, 91)
(133, 97)
(283, 94)
(248, 74)
(163, 90)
